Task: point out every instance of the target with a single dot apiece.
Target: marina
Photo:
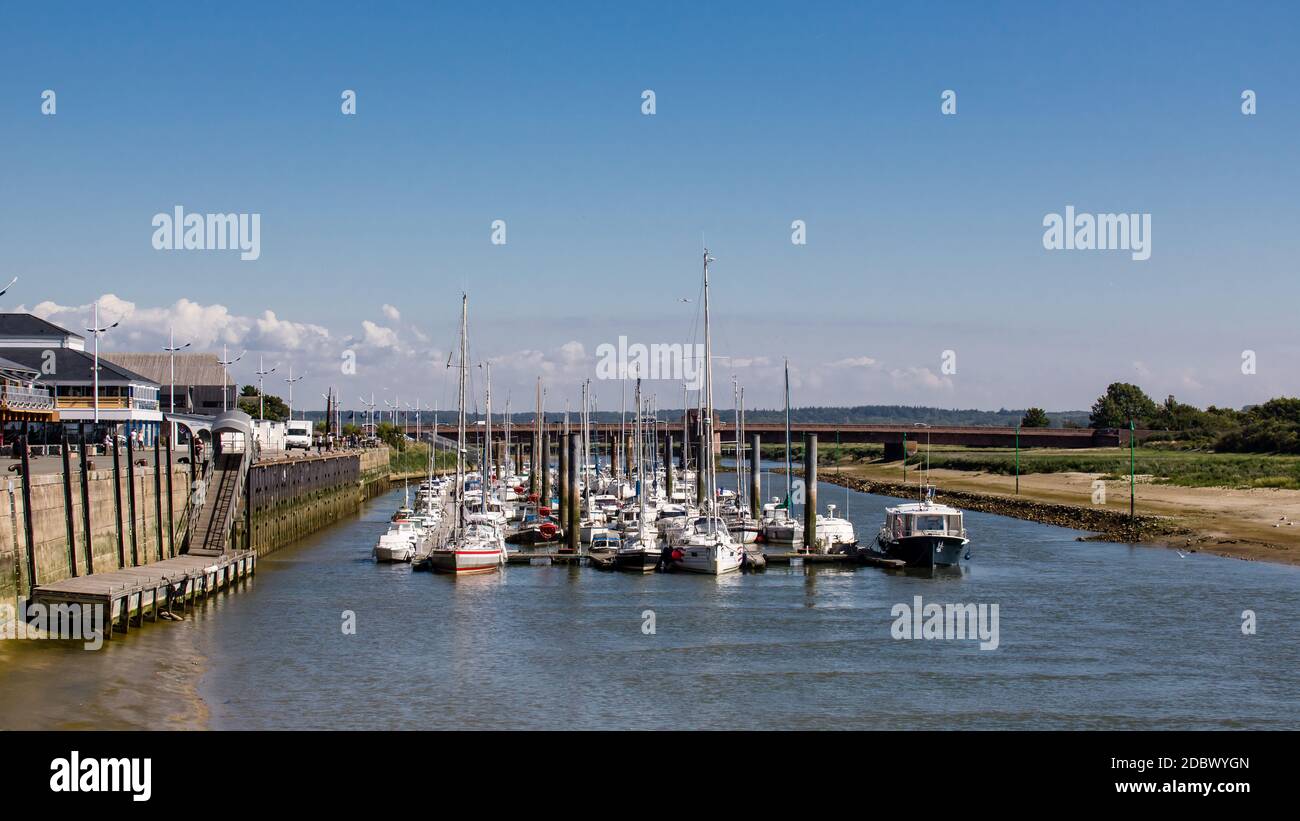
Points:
(796, 646)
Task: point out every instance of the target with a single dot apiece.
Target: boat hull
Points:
(466, 562)
(637, 561)
(708, 561)
(925, 551)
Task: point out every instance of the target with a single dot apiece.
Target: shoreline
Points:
(1251, 525)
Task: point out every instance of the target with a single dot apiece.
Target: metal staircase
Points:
(211, 533)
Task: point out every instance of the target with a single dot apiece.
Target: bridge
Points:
(891, 436)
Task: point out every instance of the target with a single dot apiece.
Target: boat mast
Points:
(707, 439)
(537, 442)
(640, 470)
(460, 417)
(789, 466)
(487, 438)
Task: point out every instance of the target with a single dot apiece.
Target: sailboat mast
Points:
(460, 417)
(640, 462)
(789, 466)
(487, 437)
(707, 439)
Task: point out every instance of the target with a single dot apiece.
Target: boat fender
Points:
(677, 554)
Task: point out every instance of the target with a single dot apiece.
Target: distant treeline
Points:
(1272, 427)
(856, 415)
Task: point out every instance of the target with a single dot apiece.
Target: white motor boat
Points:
(707, 547)
(399, 543)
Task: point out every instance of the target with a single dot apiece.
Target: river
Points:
(1090, 636)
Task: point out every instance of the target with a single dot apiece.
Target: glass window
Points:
(929, 523)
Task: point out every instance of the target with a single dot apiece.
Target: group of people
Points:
(136, 440)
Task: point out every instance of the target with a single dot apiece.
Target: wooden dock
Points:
(131, 592)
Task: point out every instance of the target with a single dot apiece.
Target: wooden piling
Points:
(565, 440)
(574, 522)
(85, 497)
(544, 465)
(171, 497)
(130, 498)
(532, 463)
(810, 491)
(25, 460)
(668, 468)
(69, 518)
(117, 498)
(157, 489)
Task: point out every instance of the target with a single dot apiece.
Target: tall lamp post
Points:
(98, 332)
(261, 372)
(225, 364)
(291, 379)
(171, 350)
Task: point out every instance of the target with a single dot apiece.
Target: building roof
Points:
(26, 326)
(191, 368)
(71, 366)
(13, 370)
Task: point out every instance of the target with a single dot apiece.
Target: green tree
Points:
(273, 407)
(1035, 418)
(1121, 402)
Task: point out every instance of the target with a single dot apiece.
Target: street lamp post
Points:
(291, 379)
(261, 373)
(171, 350)
(98, 332)
(225, 364)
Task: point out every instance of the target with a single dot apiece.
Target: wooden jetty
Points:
(131, 592)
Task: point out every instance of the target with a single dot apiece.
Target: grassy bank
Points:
(1184, 468)
(414, 458)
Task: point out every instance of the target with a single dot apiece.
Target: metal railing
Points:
(23, 398)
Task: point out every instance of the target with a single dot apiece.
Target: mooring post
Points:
(171, 498)
(85, 497)
(668, 468)
(117, 498)
(699, 480)
(574, 526)
(71, 518)
(532, 463)
(810, 491)
(25, 459)
(157, 489)
(130, 497)
(565, 439)
(544, 465)
(755, 479)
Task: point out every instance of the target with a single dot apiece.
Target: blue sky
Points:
(924, 230)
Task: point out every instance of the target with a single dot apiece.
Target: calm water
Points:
(1091, 636)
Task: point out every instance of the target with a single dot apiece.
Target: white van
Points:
(298, 434)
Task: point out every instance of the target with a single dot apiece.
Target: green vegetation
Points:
(1035, 418)
(414, 458)
(273, 407)
(1176, 467)
(1273, 427)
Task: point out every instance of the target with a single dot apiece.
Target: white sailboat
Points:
(708, 547)
(640, 551)
(476, 544)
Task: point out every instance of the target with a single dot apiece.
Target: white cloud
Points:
(378, 336)
(392, 313)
